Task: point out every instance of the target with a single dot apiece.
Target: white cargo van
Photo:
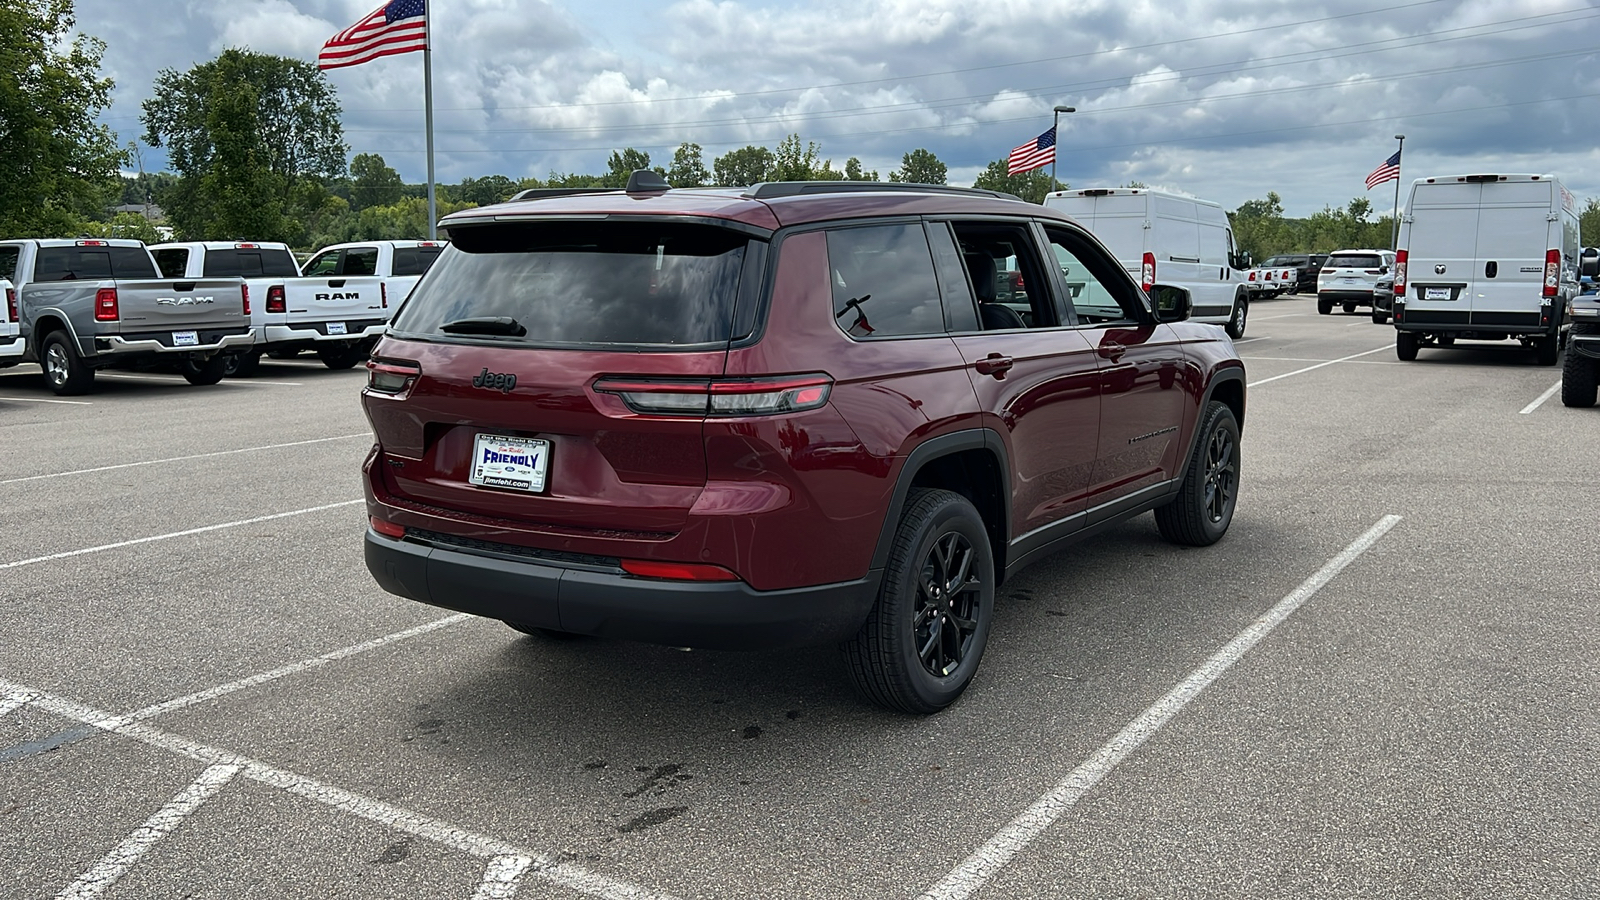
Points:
(1158, 236)
(1486, 257)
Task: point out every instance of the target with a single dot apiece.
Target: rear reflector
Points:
(649, 568)
(387, 528)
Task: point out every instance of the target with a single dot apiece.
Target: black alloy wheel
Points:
(949, 600)
(1222, 475)
(1202, 511)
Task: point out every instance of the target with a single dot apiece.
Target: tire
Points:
(244, 364)
(922, 642)
(1405, 345)
(204, 371)
(1203, 509)
(1348, 306)
(342, 357)
(1578, 380)
(1547, 350)
(1238, 318)
(1324, 306)
(64, 370)
(1379, 317)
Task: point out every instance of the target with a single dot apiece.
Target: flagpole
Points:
(1394, 238)
(427, 104)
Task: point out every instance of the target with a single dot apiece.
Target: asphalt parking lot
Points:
(1382, 683)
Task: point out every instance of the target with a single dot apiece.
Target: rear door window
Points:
(360, 261)
(584, 283)
(883, 282)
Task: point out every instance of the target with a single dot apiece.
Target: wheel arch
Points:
(972, 463)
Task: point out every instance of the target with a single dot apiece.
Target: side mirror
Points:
(1172, 304)
(1589, 262)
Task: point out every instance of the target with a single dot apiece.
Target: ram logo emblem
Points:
(184, 301)
(1438, 269)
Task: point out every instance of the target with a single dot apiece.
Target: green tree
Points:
(405, 220)
(125, 225)
(237, 196)
(743, 167)
(688, 167)
(58, 166)
(373, 183)
(853, 172)
(1030, 186)
(484, 191)
(622, 165)
(920, 167)
(792, 162)
(1589, 223)
(1260, 230)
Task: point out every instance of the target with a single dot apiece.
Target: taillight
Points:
(387, 528)
(11, 305)
(244, 293)
(1400, 272)
(1147, 275)
(275, 301)
(649, 568)
(105, 305)
(705, 397)
(383, 293)
(391, 377)
(1552, 272)
(1252, 276)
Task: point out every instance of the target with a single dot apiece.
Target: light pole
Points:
(1394, 235)
(1055, 130)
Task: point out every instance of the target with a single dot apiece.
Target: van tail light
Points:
(1552, 272)
(649, 568)
(707, 397)
(1400, 272)
(11, 305)
(388, 529)
(1147, 274)
(383, 293)
(105, 305)
(275, 300)
(391, 376)
(244, 293)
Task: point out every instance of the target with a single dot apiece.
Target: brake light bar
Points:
(707, 397)
(275, 300)
(105, 305)
(1552, 272)
(94, 244)
(246, 246)
(391, 376)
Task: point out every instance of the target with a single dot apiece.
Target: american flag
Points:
(399, 26)
(1389, 171)
(1038, 152)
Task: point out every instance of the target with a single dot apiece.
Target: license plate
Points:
(514, 463)
(336, 328)
(1436, 293)
(1347, 280)
(185, 339)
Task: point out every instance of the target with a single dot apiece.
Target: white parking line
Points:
(166, 820)
(172, 459)
(177, 534)
(501, 878)
(41, 400)
(1541, 399)
(1023, 830)
(11, 702)
(1321, 364)
(541, 865)
(1249, 339)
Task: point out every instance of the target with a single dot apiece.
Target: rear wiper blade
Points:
(485, 325)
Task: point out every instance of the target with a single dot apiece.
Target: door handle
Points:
(1112, 351)
(994, 364)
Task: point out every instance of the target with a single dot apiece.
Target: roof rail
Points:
(770, 189)
(547, 193)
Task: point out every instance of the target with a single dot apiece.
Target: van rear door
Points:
(1513, 233)
(1442, 252)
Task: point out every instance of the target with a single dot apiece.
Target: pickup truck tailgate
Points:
(161, 308)
(314, 300)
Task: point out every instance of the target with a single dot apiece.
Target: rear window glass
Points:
(250, 263)
(414, 260)
(8, 262)
(883, 282)
(77, 263)
(172, 261)
(585, 283)
(360, 261)
(1353, 261)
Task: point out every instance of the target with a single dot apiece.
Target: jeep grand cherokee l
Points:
(790, 414)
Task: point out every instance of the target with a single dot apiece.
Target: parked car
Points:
(1272, 278)
(1307, 266)
(1486, 257)
(343, 301)
(1348, 277)
(84, 305)
(1176, 240)
(265, 268)
(789, 414)
(1383, 300)
(1580, 370)
(12, 345)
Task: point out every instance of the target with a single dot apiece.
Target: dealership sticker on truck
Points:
(336, 328)
(185, 339)
(516, 463)
(1436, 293)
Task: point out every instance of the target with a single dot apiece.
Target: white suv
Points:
(1349, 276)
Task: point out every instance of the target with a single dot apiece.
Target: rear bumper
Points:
(1464, 322)
(355, 329)
(1347, 295)
(163, 343)
(609, 603)
(12, 347)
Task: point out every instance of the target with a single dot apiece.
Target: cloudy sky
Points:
(1223, 99)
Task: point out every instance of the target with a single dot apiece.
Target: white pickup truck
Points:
(265, 267)
(342, 303)
(90, 304)
(11, 342)
(1268, 280)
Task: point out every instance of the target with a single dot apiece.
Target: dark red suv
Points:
(789, 414)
